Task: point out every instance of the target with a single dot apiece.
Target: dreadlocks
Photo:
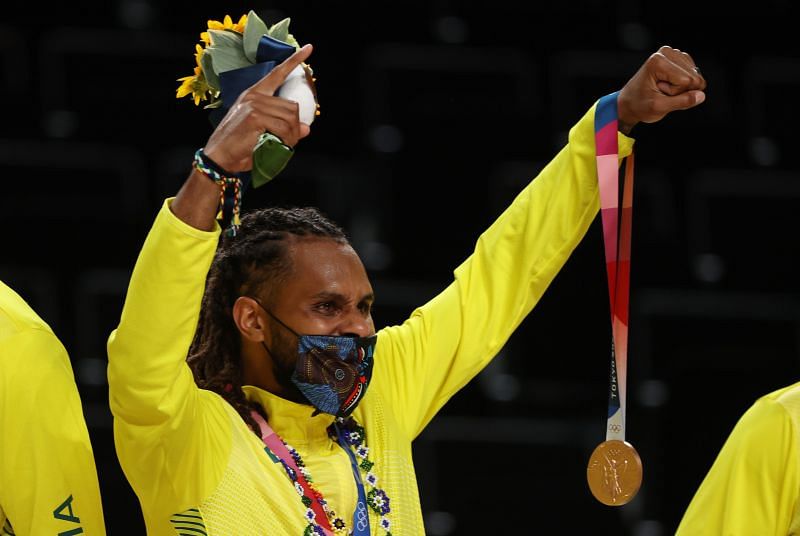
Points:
(253, 260)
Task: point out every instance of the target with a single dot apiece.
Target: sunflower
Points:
(226, 24)
(195, 85)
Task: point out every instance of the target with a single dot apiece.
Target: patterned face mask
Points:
(332, 372)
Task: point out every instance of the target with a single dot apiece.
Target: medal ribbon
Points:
(277, 449)
(617, 242)
(361, 514)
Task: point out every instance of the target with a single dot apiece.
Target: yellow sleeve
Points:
(445, 343)
(752, 488)
(48, 480)
(172, 438)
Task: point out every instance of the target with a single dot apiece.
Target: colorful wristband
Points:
(230, 188)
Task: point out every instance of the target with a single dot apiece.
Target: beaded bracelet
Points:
(213, 171)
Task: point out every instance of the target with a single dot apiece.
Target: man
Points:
(48, 481)
(243, 439)
(754, 485)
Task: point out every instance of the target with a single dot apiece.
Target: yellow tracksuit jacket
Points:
(195, 465)
(48, 481)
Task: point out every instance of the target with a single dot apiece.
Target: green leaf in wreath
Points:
(280, 30)
(226, 51)
(253, 31)
(208, 70)
(292, 41)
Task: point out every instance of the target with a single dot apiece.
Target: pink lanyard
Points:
(617, 240)
(614, 472)
(278, 449)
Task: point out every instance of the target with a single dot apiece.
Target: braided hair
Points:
(252, 262)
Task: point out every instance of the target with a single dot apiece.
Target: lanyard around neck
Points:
(361, 514)
(277, 449)
(617, 242)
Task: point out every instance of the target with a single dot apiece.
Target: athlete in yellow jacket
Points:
(48, 482)
(249, 437)
(753, 488)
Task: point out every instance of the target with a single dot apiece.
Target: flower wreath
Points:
(230, 58)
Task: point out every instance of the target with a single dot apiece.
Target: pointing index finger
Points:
(277, 76)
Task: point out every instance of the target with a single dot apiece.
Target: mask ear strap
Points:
(278, 320)
(269, 352)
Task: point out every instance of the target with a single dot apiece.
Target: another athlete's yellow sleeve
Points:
(445, 343)
(48, 480)
(752, 488)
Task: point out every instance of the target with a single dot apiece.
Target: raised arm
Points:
(450, 339)
(162, 421)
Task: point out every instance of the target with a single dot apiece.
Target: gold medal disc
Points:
(614, 472)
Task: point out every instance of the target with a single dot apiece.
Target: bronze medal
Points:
(614, 472)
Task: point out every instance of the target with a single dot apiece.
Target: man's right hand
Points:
(258, 110)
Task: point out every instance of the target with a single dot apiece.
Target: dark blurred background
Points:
(433, 116)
